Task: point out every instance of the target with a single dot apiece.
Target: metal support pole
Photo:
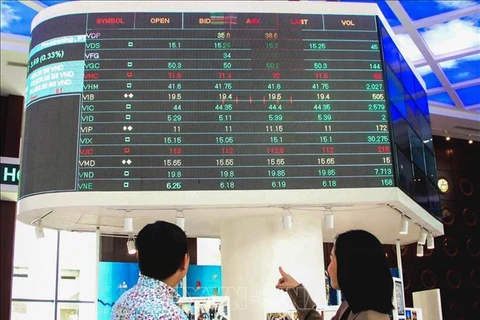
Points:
(399, 259)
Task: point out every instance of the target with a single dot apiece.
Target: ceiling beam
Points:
(464, 84)
(450, 56)
(14, 42)
(458, 54)
(439, 18)
(35, 5)
(455, 86)
(412, 31)
(441, 110)
(473, 107)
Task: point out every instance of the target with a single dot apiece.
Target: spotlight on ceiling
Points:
(287, 219)
(39, 233)
(423, 236)
(430, 241)
(404, 225)
(131, 245)
(128, 225)
(180, 220)
(419, 250)
(329, 218)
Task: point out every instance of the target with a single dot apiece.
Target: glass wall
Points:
(53, 277)
(414, 158)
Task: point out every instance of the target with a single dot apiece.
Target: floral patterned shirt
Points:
(149, 299)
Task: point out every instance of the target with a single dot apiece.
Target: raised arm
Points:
(306, 308)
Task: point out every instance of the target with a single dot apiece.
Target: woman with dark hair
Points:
(358, 267)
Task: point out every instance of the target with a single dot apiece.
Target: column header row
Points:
(229, 21)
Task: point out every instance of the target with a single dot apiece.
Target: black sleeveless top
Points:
(346, 314)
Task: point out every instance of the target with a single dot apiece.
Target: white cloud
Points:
(424, 70)
(459, 4)
(8, 16)
(408, 48)
(444, 38)
(452, 36)
(463, 75)
(449, 64)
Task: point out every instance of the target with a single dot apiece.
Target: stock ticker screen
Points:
(205, 101)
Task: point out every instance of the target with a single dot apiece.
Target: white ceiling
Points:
(456, 121)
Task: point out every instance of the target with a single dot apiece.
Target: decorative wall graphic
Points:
(427, 252)
(450, 247)
(448, 217)
(473, 247)
(457, 311)
(470, 217)
(454, 279)
(114, 278)
(429, 279)
(475, 279)
(466, 186)
(406, 279)
(476, 309)
(204, 281)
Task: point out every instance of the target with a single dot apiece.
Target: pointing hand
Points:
(286, 281)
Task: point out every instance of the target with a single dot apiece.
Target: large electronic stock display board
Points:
(205, 100)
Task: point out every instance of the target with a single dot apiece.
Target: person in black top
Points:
(358, 267)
